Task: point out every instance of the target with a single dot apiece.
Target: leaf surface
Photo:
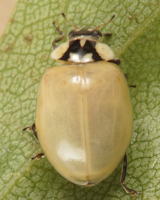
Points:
(24, 56)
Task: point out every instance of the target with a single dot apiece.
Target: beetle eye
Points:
(95, 32)
(71, 33)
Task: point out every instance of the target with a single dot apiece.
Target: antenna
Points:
(105, 23)
(76, 27)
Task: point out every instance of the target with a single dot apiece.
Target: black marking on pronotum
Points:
(75, 47)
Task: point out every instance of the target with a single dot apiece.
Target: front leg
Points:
(57, 39)
(106, 34)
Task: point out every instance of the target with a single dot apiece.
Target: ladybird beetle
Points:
(83, 115)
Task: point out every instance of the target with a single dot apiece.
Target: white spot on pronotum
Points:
(58, 52)
(75, 57)
(104, 51)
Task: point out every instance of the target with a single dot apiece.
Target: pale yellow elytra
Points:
(84, 120)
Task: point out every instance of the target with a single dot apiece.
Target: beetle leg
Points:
(134, 86)
(126, 77)
(33, 128)
(58, 39)
(115, 60)
(128, 190)
(38, 156)
(106, 34)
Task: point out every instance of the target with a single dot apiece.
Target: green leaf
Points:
(24, 56)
